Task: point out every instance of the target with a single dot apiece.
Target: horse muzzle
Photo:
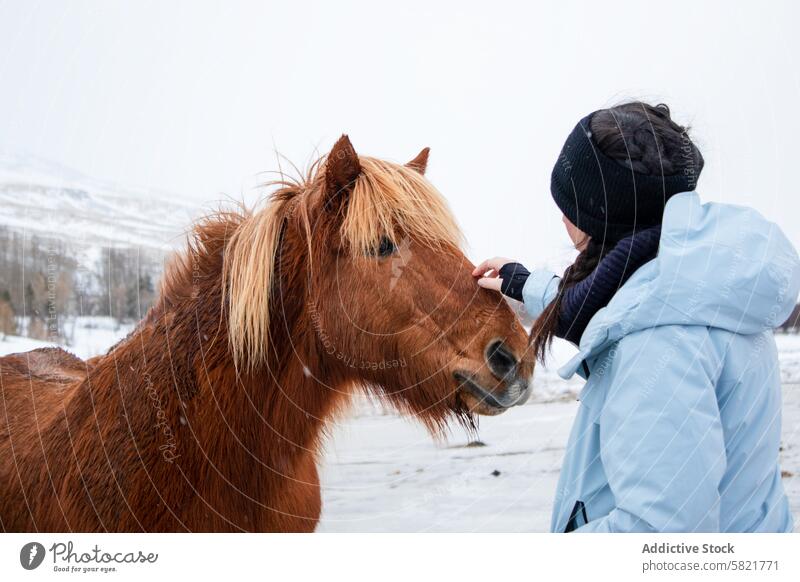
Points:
(508, 387)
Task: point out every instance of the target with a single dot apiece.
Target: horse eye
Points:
(386, 247)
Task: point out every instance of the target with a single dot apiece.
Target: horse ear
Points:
(420, 163)
(342, 167)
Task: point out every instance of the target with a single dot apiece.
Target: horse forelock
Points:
(396, 201)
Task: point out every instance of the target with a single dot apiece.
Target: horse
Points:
(210, 415)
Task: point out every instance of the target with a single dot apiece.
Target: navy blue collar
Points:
(580, 302)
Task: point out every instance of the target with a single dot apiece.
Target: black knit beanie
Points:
(603, 198)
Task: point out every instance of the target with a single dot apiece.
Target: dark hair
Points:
(638, 136)
(645, 138)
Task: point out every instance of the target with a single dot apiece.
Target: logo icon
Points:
(31, 555)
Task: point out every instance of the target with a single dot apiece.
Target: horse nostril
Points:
(500, 360)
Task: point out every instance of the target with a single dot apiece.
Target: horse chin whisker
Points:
(466, 419)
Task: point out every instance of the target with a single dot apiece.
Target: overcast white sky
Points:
(193, 97)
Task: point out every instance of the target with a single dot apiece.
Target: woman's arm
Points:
(539, 290)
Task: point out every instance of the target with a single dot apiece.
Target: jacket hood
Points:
(718, 265)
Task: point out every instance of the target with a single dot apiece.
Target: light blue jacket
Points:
(680, 419)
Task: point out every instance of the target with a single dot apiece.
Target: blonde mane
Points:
(387, 199)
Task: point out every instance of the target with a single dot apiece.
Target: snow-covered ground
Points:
(89, 336)
(382, 472)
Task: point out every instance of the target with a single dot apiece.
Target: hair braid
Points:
(545, 325)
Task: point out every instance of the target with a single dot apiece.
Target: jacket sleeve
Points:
(661, 440)
(539, 290)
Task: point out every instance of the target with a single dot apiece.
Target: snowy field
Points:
(381, 472)
(89, 336)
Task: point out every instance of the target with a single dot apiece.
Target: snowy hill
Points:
(45, 198)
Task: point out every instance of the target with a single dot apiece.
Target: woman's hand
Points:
(489, 272)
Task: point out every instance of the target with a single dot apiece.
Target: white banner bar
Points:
(407, 557)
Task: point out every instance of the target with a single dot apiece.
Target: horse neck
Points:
(276, 411)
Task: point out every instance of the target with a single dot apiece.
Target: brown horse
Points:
(209, 416)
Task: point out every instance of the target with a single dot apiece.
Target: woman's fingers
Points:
(494, 265)
(490, 283)
(481, 269)
(489, 272)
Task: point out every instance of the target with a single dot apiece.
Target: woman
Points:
(672, 304)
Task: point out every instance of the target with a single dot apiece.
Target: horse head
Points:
(364, 255)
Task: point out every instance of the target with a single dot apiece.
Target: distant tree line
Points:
(792, 325)
(46, 281)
